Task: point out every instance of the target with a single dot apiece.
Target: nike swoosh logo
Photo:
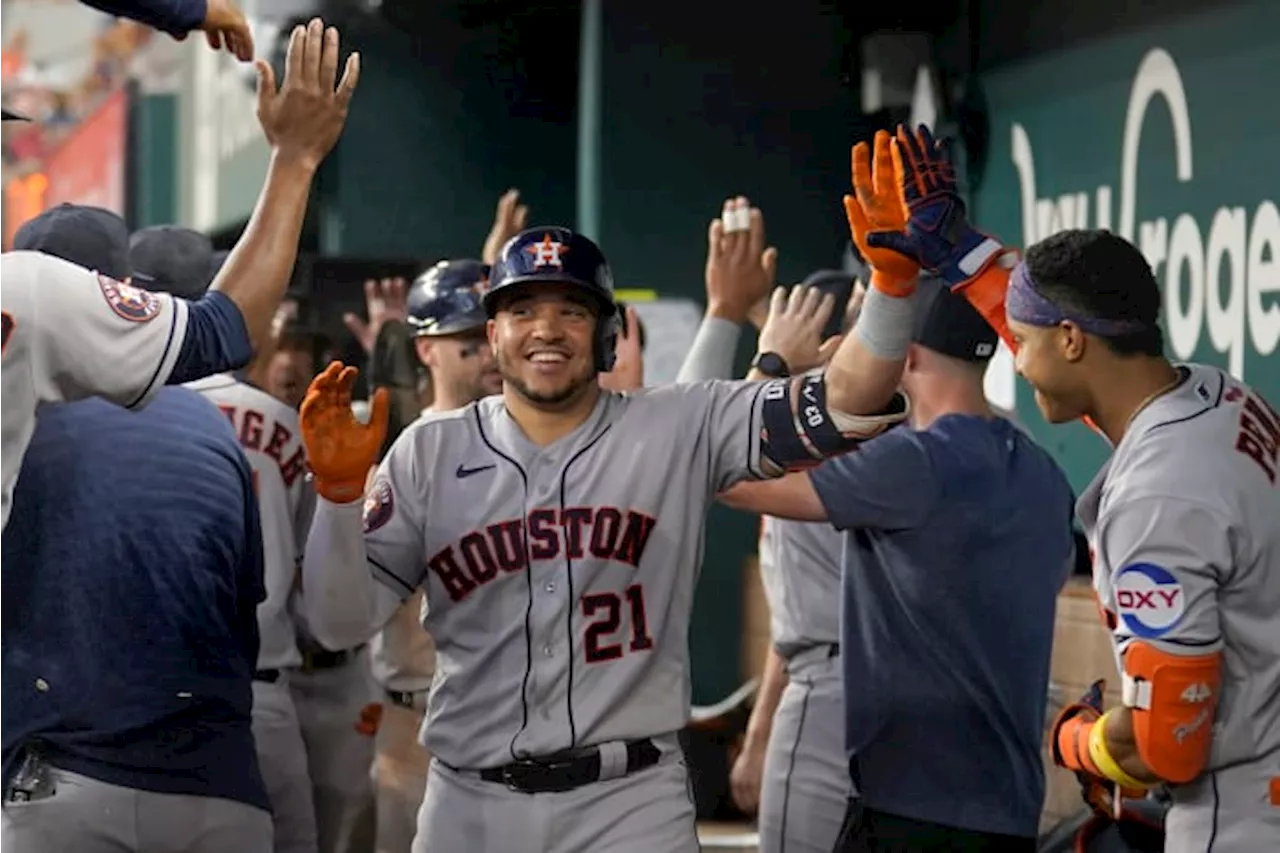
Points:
(464, 471)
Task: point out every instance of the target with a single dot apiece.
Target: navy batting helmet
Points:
(445, 299)
(558, 255)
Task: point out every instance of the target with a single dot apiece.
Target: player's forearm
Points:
(171, 16)
(339, 596)
(1124, 747)
(987, 293)
(866, 370)
(773, 680)
(711, 355)
(257, 271)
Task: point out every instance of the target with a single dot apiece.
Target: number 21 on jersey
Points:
(604, 610)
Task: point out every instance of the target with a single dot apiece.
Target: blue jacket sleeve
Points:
(171, 16)
(217, 340)
(889, 483)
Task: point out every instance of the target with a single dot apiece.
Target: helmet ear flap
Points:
(608, 327)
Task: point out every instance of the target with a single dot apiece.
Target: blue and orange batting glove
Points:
(938, 235)
(340, 449)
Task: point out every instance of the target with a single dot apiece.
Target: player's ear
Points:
(491, 332)
(913, 357)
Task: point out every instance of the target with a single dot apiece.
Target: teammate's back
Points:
(267, 431)
(132, 573)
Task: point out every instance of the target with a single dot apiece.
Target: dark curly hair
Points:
(1096, 274)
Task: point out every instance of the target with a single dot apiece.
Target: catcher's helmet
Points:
(445, 299)
(550, 255)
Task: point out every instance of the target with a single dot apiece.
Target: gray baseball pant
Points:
(806, 786)
(83, 815)
(650, 811)
(282, 758)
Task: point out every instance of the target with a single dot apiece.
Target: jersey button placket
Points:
(548, 614)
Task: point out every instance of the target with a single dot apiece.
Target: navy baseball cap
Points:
(946, 323)
(90, 237)
(173, 259)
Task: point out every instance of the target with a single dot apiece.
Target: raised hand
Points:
(384, 300)
(938, 234)
(628, 368)
(740, 267)
(794, 327)
(304, 118)
(340, 449)
(876, 210)
(225, 26)
(508, 220)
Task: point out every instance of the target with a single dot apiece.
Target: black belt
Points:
(567, 771)
(325, 659)
(405, 698)
(270, 676)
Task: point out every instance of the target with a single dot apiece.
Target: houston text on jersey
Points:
(602, 533)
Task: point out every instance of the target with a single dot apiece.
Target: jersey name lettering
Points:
(602, 533)
(1259, 436)
(251, 429)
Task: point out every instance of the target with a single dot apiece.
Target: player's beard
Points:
(553, 399)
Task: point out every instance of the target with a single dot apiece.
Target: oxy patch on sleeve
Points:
(130, 303)
(1149, 599)
(379, 506)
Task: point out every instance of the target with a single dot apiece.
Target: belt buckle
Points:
(516, 777)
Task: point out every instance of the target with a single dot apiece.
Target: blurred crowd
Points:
(59, 93)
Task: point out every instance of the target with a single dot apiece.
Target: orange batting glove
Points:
(340, 449)
(877, 205)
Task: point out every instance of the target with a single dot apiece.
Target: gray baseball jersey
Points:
(70, 333)
(402, 655)
(800, 570)
(559, 579)
(268, 433)
(1184, 520)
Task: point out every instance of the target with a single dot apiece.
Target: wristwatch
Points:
(771, 364)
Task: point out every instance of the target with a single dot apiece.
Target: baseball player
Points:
(791, 770)
(70, 333)
(556, 530)
(169, 256)
(448, 321)
(1181, 519)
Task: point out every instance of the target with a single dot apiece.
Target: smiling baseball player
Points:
(1181, 518)
(557, 530)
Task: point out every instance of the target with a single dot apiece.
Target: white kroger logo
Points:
(1228, 278)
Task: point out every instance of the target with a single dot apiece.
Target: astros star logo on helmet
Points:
(547, 253)
(131, 303)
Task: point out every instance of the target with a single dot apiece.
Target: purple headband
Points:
(1024, 304)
